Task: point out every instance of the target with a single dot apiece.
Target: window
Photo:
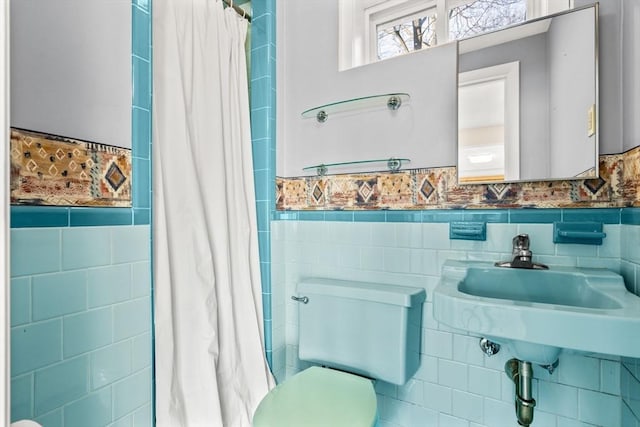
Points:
(406, 34)
(372, 30)
(480, 16)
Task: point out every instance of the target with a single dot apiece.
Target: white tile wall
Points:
(456, 385)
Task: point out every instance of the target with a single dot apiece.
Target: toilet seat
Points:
(319, 397)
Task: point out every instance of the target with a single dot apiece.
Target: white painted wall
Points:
(71, 68)
(424, 130)
(571, 43)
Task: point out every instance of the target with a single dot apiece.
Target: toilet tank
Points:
(369, 329)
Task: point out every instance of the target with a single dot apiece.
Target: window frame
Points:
(358, 21)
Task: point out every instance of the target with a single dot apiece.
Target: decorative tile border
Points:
(56, 171)
(436, 188)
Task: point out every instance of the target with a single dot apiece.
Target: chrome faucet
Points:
(521, 255)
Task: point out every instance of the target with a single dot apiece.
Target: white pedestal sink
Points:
(537, 313)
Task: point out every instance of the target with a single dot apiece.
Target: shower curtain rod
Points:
(238, 10)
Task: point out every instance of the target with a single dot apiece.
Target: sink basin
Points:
(546, 287)
(537, 313)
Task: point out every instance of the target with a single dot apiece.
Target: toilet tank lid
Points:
(406, 296)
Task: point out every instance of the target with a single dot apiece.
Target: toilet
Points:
(357, 333)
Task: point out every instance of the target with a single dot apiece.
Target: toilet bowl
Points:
(358, 332)
(319, 397)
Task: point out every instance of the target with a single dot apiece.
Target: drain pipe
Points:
(521, 373)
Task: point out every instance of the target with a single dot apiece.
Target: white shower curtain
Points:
(210, 364)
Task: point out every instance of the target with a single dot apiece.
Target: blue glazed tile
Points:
(130, 244)
(141, 132)
(265, 274)
(29, 245)
(123, 422)
(261, 93)
(85, 247)
(20, 301)
(345, 216)
(142, 4)
(309, 216)
(35, 346)
(39, 216)
(630, 216)
(86, 331)
(58, 294)
(141, 33)
(143, 416)
(264, 184)
(109, 285)
(131, 393)
(141, 283)
(131, 318)
(404, 216)
(261, 154)
(266, 305)
(61, 384)
(606, 216)
(370, 216)
(306, 215)
(534, 216)
(262, 211)
(264, 246)
(141, 83)
(52, 419)
(21, 401)
(442, 215)
(488, 215)
(142, 350)
(260, 63)
(260, 123)
(95, 409)
(141, 183)
(87, 217)
(141, 216)
(110, 364)
(289, 215)
(267, 334)
(629, 248)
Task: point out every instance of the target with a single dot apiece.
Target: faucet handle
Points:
(521, 241)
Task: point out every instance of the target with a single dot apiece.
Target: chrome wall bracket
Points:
(489, 347)
(303, 300)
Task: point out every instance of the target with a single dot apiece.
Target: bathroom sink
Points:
(546, 287)
(537, 313)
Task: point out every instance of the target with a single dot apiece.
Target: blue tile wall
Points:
(81, 337)
(81, 331)
(263, 110)
(456, 384)
(513, 216)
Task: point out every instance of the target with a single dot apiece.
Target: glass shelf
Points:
(393, 164)
(392, 101)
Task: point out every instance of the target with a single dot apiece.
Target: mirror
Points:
(528, 101)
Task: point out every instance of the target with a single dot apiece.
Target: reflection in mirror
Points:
(527, 101)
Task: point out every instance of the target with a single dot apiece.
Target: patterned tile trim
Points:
(56, 171)
(436, 188)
